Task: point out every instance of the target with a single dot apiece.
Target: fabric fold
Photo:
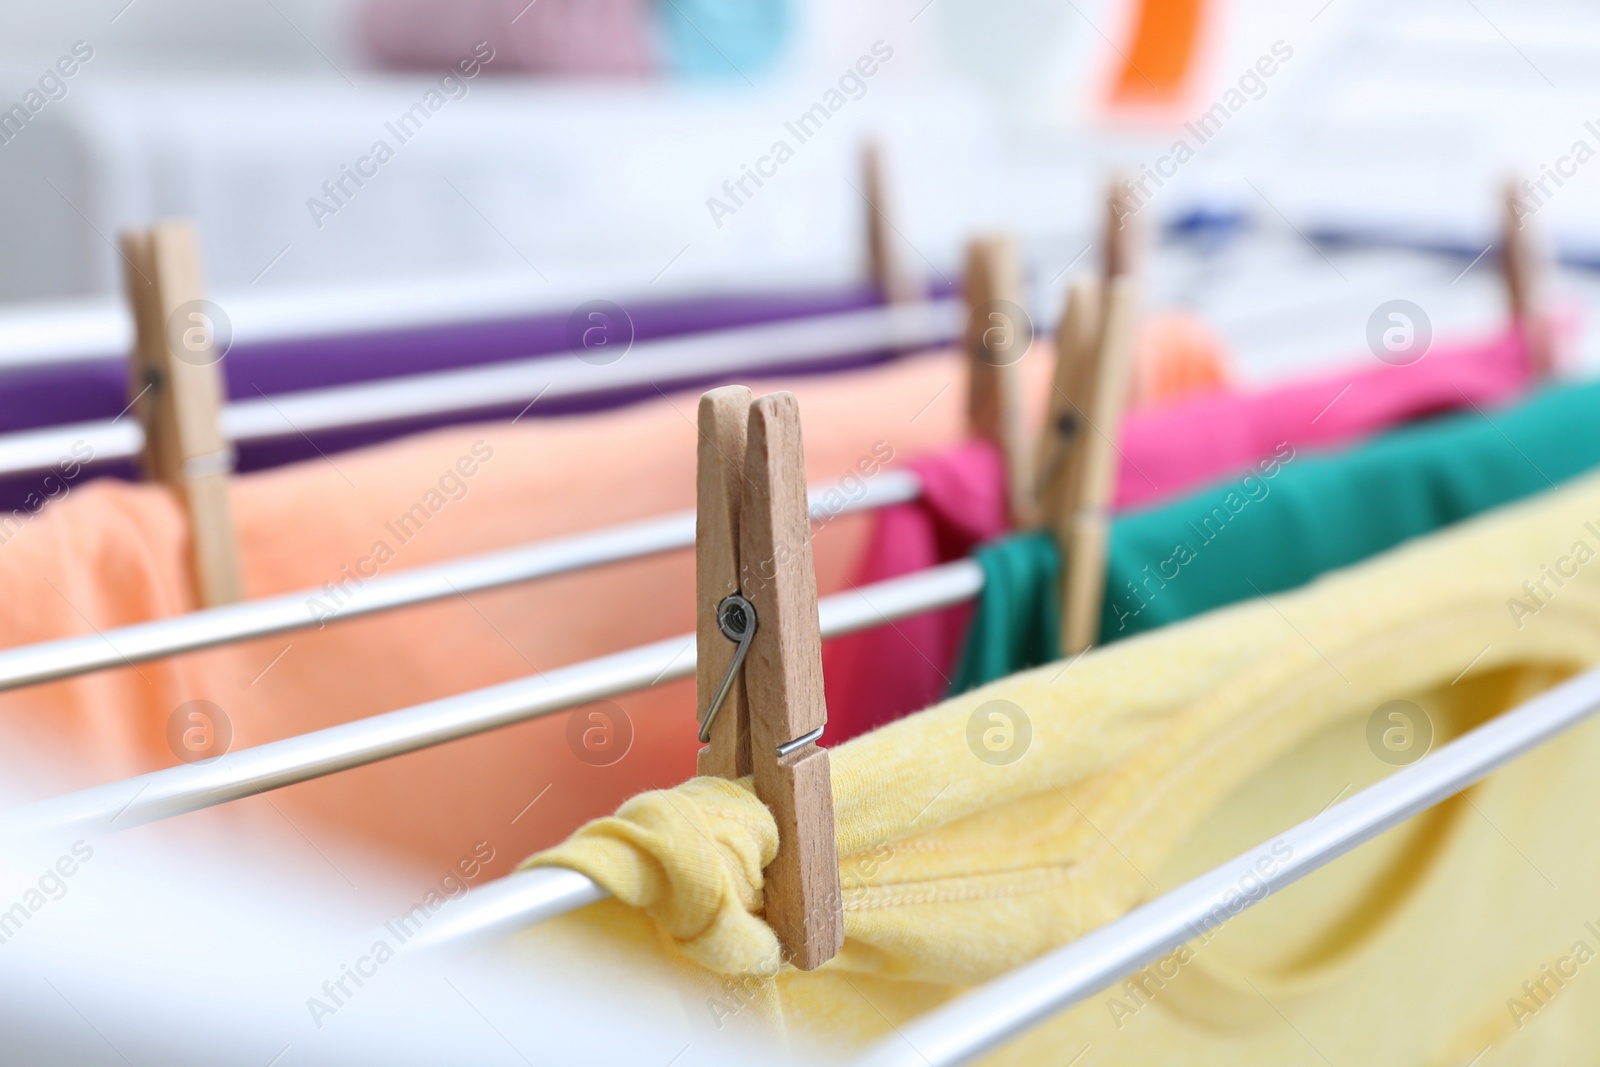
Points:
(1017, 623)
(106, 554)
(1179, 447)
(1152, 759)
(1168, 454)
(1298, 515)
(691, 858)
(1276, 528)
(882, 674)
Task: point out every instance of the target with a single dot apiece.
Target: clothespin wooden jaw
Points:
(1078, 454)
(1522, 267)
(724, 423)
(754, 542)
(176, 387)
(1060, 461)
(889, 273)
(998, 335)
(1087, 527)
(1121, 247)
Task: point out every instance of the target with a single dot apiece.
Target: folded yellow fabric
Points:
(1012, 819)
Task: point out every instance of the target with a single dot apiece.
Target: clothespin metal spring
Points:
(736, 618)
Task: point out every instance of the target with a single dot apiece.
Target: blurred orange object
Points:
(1161, 55)
(1176, 356)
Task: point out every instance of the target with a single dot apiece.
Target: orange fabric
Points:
(111, 554)
(1176, 355)
(1162, 53)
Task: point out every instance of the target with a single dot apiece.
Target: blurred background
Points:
(387, 188)
(587, 157)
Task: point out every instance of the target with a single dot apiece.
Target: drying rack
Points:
(955, 1034)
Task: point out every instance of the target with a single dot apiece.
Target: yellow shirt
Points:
(970, 845)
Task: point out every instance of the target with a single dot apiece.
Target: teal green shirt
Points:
(1281, 524)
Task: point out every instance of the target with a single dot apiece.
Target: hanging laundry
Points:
(1017, 623)
(882, 674)
(1292, 518)
(1295, 516)
(876, 676)
(967, 850)
(1173, 449)
(110, 554)
(53, 394)
(1176, 356)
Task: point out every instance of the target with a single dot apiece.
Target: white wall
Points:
(179, 34)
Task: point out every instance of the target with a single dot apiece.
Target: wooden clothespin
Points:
(1059, 457)
(1094, 486)
(1078, 453)
(1521, 264)
(1121, 251)
(888, 268)
(759, 696)
(998, 334)
(176, 387)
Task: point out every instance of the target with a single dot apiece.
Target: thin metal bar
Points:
(506, 905)
(983, 1020)
(82, 443)
(64, 658)
(529, 897)
(668, 361)
(101, 330)
(163, 794)
(988, 1017)
(899, 598)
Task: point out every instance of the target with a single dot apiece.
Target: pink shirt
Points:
(880, 675)
(1171, 450)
